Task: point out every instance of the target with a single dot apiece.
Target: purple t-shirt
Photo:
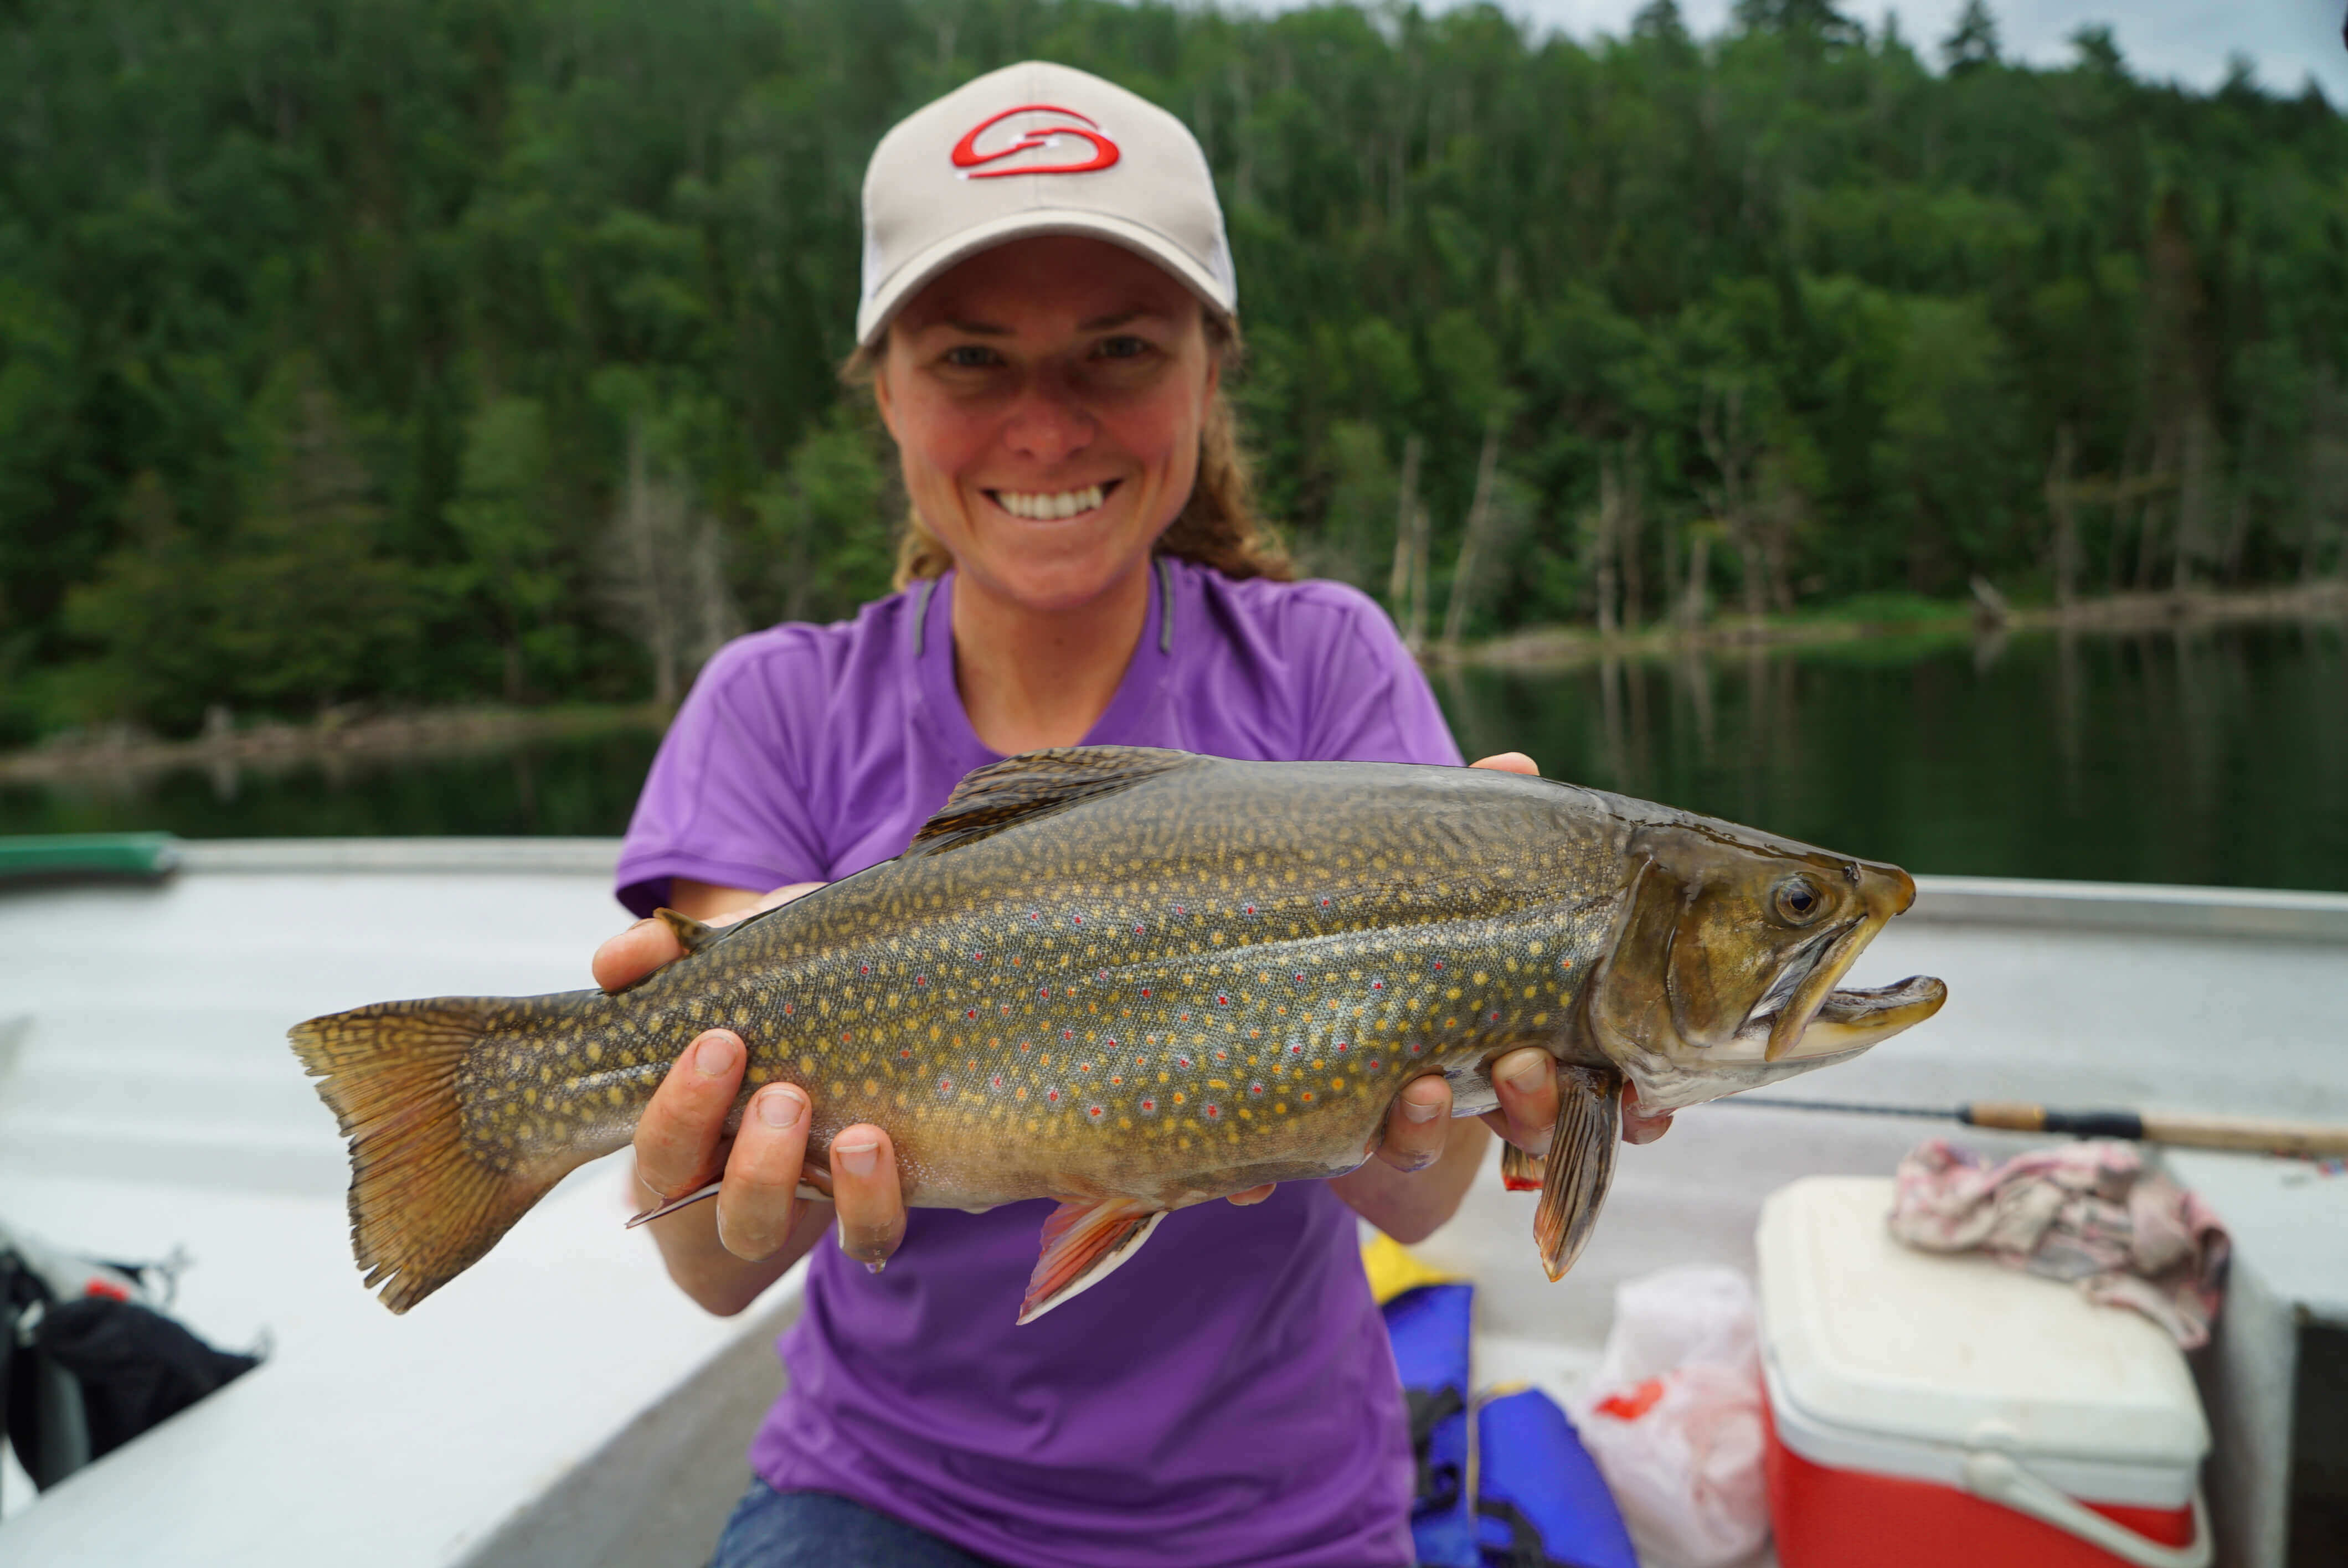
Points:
(1227, 1396)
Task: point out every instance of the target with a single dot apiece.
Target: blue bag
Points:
(1540, 1500)
(1430, 1328)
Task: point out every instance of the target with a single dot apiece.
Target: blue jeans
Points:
(774, 1529)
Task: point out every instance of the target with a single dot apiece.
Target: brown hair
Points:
(1218, 525)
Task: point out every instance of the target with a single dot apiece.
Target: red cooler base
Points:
(1827, 1518)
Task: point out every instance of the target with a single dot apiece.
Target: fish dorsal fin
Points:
(1036, 783)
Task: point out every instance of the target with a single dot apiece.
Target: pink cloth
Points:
(2090, 1213)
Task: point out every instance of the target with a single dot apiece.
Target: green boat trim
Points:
(77, 855)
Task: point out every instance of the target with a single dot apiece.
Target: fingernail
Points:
(857, 1159)
(781, 1108)
(876, 1265)
(1419, 1111)
(713, 1057)
(1527, 1074)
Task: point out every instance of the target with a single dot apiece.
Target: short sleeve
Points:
(1370, 701)
(726, 799)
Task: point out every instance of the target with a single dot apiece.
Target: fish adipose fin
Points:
(692, 935)
(1581, 1164)
(1037, 783)
(1083, 1244)
(424, 1207)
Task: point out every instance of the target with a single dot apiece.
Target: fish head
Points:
(1730, 945)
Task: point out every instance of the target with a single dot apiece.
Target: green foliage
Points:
(435, 349)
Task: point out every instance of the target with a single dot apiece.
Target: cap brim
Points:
(873, 318)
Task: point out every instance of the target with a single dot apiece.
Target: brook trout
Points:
(1134, 980)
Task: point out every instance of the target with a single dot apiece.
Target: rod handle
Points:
(2253, 1134)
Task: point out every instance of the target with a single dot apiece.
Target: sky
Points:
(2184, 40)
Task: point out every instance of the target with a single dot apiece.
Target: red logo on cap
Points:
(966, 154)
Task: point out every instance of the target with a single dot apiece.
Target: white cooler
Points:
(1945, 1411)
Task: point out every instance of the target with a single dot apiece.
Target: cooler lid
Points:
(1871, 1336)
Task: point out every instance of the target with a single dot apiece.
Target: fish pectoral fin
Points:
(1036, 783)
(1519, 1172)
(1084, 1242)
(692, 935)
(1581, 1164)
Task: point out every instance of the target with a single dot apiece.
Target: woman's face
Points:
(1046, 397)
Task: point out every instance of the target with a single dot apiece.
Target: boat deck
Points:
(561, 1403)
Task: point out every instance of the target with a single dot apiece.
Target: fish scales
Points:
(1107, 976)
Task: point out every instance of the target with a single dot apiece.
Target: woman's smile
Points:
(1054, 505)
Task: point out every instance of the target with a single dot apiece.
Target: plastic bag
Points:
(1673, 1416)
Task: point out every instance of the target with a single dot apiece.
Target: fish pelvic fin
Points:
(1084, 1242)
(1036, 785)
(1519, 1172)
(1581, 1164)
(423, 1207)
(692, 935)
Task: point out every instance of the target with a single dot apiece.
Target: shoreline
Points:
(1566, 647)
(445, 731)
(433, 732)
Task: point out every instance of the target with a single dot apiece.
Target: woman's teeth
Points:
(1044, 508)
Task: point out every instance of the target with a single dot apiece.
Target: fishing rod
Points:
(2253, 1134)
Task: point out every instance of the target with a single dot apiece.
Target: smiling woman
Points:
(1048, 318)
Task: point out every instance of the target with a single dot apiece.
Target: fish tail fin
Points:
(1084, 1242)
(1581, 1164)
(424, 1205)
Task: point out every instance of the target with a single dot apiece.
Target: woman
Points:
(1047, 318)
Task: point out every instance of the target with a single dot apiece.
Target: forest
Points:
(420, 352)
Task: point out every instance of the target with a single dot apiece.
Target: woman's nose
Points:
(1049, 423)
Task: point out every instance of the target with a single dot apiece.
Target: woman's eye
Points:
(1126, 347)
(972, 356)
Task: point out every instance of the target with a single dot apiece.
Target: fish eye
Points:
(1797, 901)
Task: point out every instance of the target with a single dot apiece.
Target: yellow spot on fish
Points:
(871, 1086)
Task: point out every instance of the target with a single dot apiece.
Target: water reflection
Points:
(2203, 754)
(2206, 754)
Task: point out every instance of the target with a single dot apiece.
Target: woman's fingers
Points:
(1526, 1081)
(636, 952)
(677, 1136)
(755, 1204)
(867, 1194)
(1508, 763)
(1638, 1127)
(1418, 1124)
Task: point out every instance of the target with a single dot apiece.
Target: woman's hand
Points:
(1425, 1160)
(724, 1254)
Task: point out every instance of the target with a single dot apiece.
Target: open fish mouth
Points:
(1840, 1022)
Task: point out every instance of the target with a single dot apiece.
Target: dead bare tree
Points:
(1474, 543)
(1406, 549)
(1734, 452)
(665, 572)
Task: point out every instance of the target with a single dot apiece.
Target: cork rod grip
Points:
(2179, 1129)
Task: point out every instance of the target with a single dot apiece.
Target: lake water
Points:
(2210, 755)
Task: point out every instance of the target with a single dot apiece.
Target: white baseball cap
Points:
(1037, 149)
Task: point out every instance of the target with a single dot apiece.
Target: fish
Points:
(1132, 979)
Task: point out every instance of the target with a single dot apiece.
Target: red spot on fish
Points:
(1496, 1018)
(1416, 1048)
(1181, 1062)
(1377, 985)
(978, 958)
(1250, 909)
(1084, 1067)
(906, 1054)
(1255, 1089)
(1053, 1095)
(1032, 915)
(972, 1013)
(1373, 1064)
(997, 1081)
(1150, 1106)
(1068, 1034)
(843, 1037)
(1023, 1046)
(1340, 1045)
(1307, 1096)
(1295, 1051)
(1179, 910)
(1222, 1000)
(1116, 1078)
(863, 969)
(1094, 1112)
(1222, 1056)
(1144, 990)
(1438, 963)
(1300, 980)
(944, 1084)
(1213, 1112)
(1324, 903)
(787, 1007)
(1044, 994)
(921, 979)
(1137, 930)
